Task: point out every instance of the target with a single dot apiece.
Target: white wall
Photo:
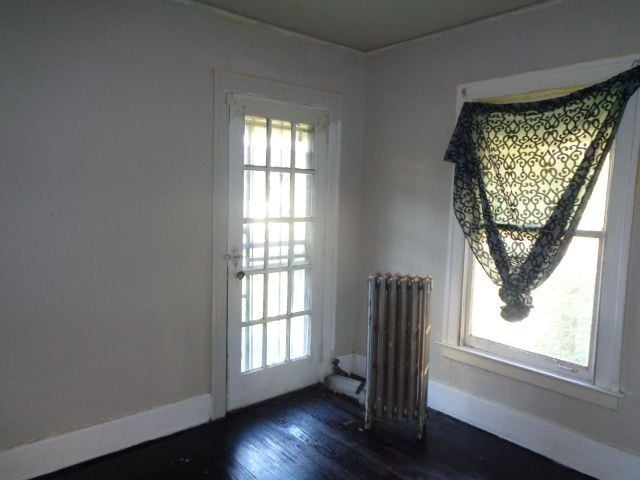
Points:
(106, 200)
(410, 117)
(106, 194)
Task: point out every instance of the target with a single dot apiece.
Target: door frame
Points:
(225, 83)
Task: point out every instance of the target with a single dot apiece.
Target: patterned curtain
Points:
(523, 175)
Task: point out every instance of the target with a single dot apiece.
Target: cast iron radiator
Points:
(398, 348)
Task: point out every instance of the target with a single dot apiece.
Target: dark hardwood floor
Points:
(313, 434)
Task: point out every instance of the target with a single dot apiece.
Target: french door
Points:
(277, 155)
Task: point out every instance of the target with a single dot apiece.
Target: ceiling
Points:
(367, 25)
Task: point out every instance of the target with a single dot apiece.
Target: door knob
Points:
(240, 275)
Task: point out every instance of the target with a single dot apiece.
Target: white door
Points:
(277, 152)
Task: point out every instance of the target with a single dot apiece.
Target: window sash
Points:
(551, 364)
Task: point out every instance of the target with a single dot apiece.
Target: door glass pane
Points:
(300, 297)
(252, 297)
(302, 242)
(277, 293)
(278, 244)
(253, 246)
(273, 150)
(255, 141)
(280, 143)
(304, 145)
(302, 201)
(279, 194)
(276, 341)
(251, 347)
(255, 194)
(299, 337)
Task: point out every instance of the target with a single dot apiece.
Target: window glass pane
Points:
(276, 341)
(302, 242)
(594, 215)
(280, 143)
(559, 325)
(304, 145)
(301, 291)
(255, 194)
(278, 244)
(253, 246)
(251, 348)
(277, 293)
(252, 297)
(255, 141)
(299, 346)
(303, 191)
(279, 194)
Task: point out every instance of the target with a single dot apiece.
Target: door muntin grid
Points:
(277, 232)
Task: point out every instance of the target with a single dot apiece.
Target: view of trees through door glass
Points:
(561, 324)
(278, 222)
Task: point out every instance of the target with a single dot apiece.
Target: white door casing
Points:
(235, 96)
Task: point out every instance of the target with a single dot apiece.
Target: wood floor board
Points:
(314, 434)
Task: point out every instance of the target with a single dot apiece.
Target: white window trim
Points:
(225, 83)
(604, 389)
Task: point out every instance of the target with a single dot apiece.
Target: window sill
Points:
(566, 386)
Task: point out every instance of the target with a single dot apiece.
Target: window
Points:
(573, 333)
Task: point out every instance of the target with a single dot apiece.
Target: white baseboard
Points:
(548, 439)
(51, 454)
(543, 437)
